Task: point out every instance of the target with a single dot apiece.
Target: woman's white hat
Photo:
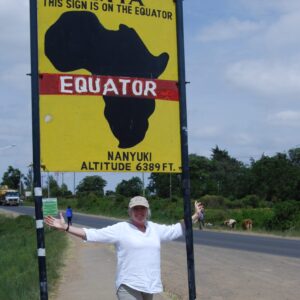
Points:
(138, 201)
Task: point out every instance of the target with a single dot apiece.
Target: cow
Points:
(230, 223)
(247, 224)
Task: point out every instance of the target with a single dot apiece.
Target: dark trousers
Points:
(69, 220)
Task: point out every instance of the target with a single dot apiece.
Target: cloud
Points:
(18, 11)
(205, 132)
(287, 118)
(274, 6)
(265, 77)
(228, 30)
(280, 36)
(242, 139)
(15, 77)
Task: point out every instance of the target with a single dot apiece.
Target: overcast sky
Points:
(242, 62)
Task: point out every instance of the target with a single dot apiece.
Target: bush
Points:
(233, 204)
(216, 216)
(251, 201)
(171, 210)
(88, 201)
(213, 201)
(286, 216)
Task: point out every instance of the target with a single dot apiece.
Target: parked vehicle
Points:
(9, 196)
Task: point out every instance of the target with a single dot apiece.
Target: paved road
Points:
(245, 242)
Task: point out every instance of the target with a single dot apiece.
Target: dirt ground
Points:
(221, 274)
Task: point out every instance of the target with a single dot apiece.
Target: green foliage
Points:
(216, 216)
(294, 156)
(131, 187)
(200, 176)
(116, 205)
(252, 201)
(275, 178)
(213, 201)
(18, 260)
(88, 201)
(28, 180)
(259, 216)
(270, 179)
(165, 210)
(91, 184)
(286, 216)
(12, 178)
(229, 174)
(165, 185)
(55, 190)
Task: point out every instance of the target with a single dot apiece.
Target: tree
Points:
(229, 174)
(294, 156)
(165, 185)
(12, 178)
(275, 178)
(64, 191)
(53, 187)
(91, 184)
(55, 190)
(130, 188)
(286, 216)
(28, 180)
(200, 176)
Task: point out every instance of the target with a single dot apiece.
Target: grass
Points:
(19, 277)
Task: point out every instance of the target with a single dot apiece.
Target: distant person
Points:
(69, 215)
(137, 243)
(201, 215)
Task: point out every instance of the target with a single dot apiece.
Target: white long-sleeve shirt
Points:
(138, 253)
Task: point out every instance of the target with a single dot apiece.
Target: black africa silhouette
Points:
(77, 40)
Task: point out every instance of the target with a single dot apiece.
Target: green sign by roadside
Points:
(50, 207)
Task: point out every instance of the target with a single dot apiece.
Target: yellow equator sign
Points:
(108, 73)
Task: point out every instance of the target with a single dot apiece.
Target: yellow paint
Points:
(74, 129)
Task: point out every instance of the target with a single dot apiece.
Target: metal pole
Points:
(36, 152)
(184, 153)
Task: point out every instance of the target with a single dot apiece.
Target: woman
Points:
(199, 207)
(137, 243)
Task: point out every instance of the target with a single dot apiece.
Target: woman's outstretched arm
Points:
(61, 225)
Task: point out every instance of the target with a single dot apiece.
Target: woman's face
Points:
(139, 214)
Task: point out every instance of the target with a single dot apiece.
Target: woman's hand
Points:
(59, 224)
(198, 207)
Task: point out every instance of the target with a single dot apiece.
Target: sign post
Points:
(41, 251)
(185, 154)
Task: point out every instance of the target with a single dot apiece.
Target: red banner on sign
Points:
(71, 84)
